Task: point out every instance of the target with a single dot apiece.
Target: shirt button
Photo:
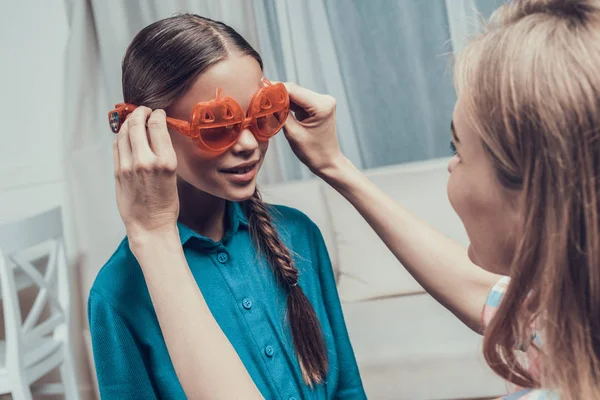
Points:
(247, 303)
(269, 351)
(222, 257)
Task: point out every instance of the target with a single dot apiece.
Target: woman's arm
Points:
(438, 263)
(145, 173)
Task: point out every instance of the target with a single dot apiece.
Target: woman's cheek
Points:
(453, 192)
(459, 197)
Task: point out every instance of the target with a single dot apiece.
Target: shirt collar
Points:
(235, 217)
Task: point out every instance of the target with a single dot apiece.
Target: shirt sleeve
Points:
(493, 301)
(491, 307)
(350, 384)
(120, 368)
(530, 359)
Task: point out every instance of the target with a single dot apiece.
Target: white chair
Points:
(33, 348)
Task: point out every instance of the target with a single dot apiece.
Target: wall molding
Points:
(22, 177)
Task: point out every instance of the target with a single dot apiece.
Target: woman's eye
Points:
(453, 147)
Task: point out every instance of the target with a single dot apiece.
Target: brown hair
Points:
(160, 65)
(532, 87)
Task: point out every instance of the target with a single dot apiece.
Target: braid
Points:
(305, 326)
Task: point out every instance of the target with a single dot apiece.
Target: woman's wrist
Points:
(141, 240)
(338, 172)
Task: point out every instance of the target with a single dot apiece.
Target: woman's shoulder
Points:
(119, 276)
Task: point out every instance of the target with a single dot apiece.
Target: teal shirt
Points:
(131, 356)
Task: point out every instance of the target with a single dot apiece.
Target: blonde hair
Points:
(532, 84)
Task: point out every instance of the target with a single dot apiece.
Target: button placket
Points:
(247, 303)
(269, 351)
(248, 296)
(222, 257)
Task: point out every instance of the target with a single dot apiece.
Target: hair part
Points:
(161, 64)
(165, 58)
(533, 93)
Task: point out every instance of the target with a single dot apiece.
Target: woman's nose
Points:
(452, 163)
(246, 143)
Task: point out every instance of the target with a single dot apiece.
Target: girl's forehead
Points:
(238, 76)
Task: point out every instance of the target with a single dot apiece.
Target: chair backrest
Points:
(23, 245)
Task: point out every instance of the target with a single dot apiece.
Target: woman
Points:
(524, 181)
(286, 325)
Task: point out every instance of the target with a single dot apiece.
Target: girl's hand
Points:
(146, 188)
(145, 175)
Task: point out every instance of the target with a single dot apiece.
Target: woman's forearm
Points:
(437, 262)
(205, 361)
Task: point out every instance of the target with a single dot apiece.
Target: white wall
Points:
(32, 169)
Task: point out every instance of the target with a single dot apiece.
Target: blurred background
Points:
(389, 65)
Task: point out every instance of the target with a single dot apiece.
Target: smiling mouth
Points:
(241, 170)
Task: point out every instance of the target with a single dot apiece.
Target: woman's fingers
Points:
(314, 104)
(303, 97)
(291, 127)
(139, 150)
(311, 132)
(138, 136)
(160, 140)
(299, 113)
(116, 158)
(124, 151)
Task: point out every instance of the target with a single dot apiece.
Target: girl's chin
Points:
(470, 254)
(491, 267)
(473, 257)
(238, 193)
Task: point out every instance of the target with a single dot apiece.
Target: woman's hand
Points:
(312, 131)
(438, 263)
(145, 175)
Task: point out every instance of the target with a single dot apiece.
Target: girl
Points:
(525, 181)
(286, 325)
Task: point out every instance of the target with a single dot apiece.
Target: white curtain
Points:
(463, 20)
(296, 43)
(385, 61)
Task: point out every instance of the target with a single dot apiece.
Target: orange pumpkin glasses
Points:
(216, 125)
